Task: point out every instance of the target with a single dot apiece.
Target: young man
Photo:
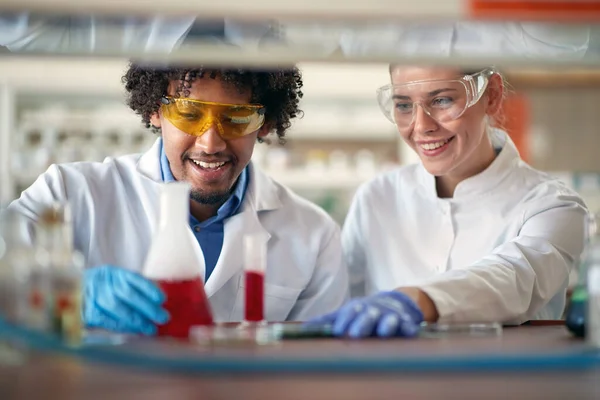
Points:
(209, 121)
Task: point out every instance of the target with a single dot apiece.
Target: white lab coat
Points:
(115, 208)
(500, 250)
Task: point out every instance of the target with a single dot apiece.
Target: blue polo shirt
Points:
(210, 233)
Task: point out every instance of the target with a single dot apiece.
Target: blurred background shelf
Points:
(407, 9)
(334, 180)
(255, 9)
(64, 110)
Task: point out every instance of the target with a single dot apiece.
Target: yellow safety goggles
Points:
(195, 117)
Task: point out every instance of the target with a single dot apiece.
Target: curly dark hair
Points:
(278, 90)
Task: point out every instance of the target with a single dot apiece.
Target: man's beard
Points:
(213, 198)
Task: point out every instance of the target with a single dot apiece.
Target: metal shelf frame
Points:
(258, 9)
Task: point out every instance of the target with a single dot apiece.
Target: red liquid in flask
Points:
(187, 305)
(255, 296)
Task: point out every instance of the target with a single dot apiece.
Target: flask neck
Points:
(174, 205)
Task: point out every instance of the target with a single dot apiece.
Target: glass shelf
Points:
(261, 38)
(343, 356)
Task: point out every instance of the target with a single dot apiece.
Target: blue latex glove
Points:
(119, 300)
(384, 314)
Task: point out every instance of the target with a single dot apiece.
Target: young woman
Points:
(471, 233)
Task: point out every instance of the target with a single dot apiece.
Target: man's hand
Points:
(119, 300)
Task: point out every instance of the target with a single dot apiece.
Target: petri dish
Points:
(428, 330)
(441, 330)
(242, 334)
(100, 338)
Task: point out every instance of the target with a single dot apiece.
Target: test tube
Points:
(255, 263)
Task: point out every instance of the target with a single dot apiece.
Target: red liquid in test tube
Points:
(255, 253)
(255, 296)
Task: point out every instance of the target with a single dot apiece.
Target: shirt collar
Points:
(165, 169)
(487, 180)
(229, 208)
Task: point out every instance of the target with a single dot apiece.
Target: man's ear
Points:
(495, 95)
(264, 130)
(155, 120)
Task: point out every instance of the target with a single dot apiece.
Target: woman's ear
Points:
(494, 95)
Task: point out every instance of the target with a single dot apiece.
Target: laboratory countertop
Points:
(53, 378)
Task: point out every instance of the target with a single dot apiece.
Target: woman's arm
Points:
(517, 279)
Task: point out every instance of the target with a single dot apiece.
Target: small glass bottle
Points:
(16, 257)
(576, 313)
(59, 269)
(591, 267)
(174, 264)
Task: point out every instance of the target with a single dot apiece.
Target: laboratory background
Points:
(62, 108)
(73, 110)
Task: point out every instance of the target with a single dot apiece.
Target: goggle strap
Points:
(471, 89)
(475, 92)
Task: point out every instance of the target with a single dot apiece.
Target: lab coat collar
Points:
(262, 192)
(487, 181)
(149, 163)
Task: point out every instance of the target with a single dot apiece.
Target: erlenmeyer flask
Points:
(174, 263)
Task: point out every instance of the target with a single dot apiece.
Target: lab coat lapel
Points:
(261, 196)
(231, 260)
(149, 163)
(148, 166)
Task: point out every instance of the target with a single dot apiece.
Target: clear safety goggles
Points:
(195, 117)
(442, 100)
